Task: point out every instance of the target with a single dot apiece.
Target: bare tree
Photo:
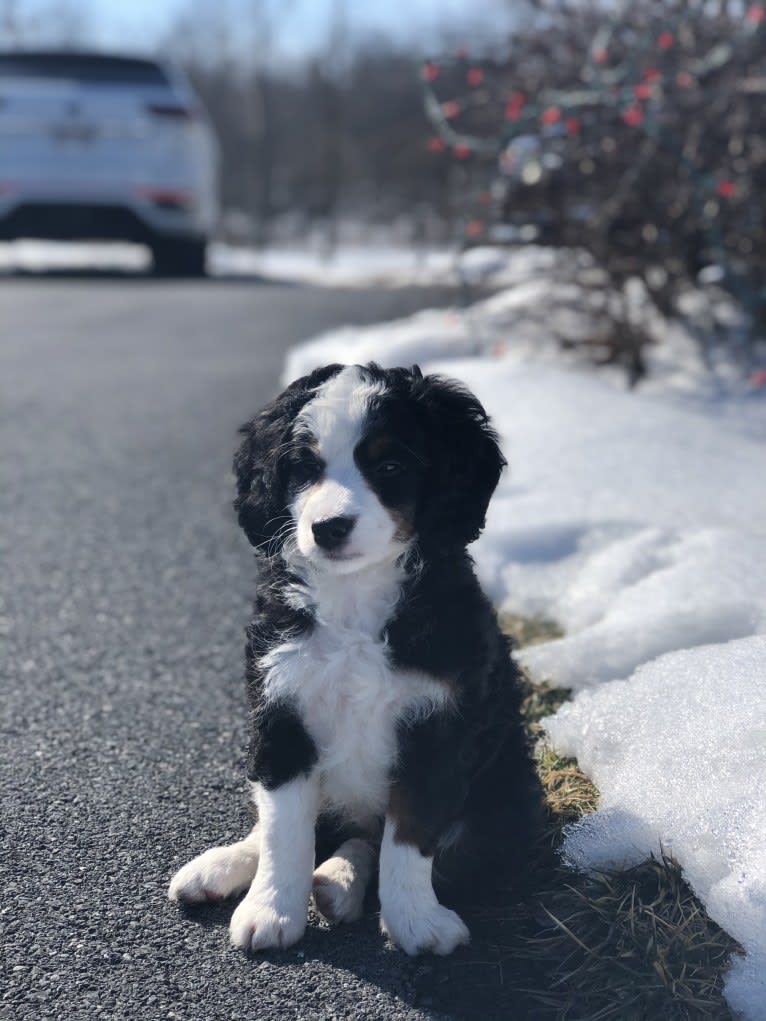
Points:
(10, 22)
(59, 23)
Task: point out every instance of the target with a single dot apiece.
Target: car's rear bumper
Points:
(82, 212)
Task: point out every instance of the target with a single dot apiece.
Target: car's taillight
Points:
(167, 198)
(172, 111)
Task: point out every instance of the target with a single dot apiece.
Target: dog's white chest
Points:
(350, 699)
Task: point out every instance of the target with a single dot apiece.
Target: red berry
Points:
(726, 189)
(634, 116)
(551, 116)
(514, 106)
(666, 40)
(475, 77)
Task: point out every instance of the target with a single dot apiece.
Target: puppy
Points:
(384, 703)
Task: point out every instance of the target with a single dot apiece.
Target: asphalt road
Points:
(124, 592)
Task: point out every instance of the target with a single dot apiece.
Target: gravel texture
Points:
(124, 592)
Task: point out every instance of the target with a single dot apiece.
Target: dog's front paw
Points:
(218, 873)
(265, 920)
(433, 928)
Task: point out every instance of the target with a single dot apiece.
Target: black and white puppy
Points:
(384, 702)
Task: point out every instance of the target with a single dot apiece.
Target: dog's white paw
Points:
(435, 928)
(264, 920)
(218, 873)
(339, 891)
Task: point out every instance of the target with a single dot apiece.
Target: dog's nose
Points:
(332, 532)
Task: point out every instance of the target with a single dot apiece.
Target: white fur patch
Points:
(336, 415)
(335, 420)
(410, 914)
(275, 909)
(348, 695)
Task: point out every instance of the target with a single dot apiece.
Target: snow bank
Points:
(678, 753)
(636, 520)
(632, 521)
(528, 308)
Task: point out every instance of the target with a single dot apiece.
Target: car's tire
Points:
(179, 258)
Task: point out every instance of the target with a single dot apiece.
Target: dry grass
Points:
(630, 945)
(569, 793)
(529, 630)
(634, 945)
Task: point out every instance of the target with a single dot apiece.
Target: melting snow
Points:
(678, 753)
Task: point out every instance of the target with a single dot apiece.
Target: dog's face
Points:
(356, 469)
(351, 464)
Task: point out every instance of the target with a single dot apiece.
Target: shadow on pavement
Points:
(485, 981)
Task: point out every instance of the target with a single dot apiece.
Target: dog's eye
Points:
(388, 469)
(306, 470)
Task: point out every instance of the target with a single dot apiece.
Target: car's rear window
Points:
(85, 68)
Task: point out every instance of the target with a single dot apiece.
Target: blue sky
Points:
(306, 21)
(303, 24)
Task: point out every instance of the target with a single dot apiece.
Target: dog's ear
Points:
(259, 465)
(465, 463)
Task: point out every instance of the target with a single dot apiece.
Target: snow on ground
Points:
(63, 256)
(386, 262)
(678, 753)
(386, 265)
(637, 521)
(349, 266)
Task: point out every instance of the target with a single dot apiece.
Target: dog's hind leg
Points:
(218, 873)
(340, 883)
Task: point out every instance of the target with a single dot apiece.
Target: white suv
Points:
(94, 146)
